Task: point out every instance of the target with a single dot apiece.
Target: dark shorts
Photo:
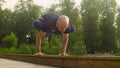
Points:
(38, 25)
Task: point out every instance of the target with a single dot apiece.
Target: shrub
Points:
(12, 50)
(77, 48)
(3, 50)
(118, 53)
(23, 49)
(53, 50)
(10, 40)
(26, 49)
(52, 46)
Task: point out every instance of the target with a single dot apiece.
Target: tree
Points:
(1, 1)
(6, 22)
(25, 13)
(1, 16)
(53, 9)
(118, 27)
(90, 20)
(68, 8)
(107, 26)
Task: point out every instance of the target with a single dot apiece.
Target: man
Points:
(55, 24)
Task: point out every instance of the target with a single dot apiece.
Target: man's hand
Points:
(39, 54)
(63, 54)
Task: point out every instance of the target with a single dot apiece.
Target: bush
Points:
(23, 49)
(77, 48)
(26, 49)
(10, 40)
(52, 46)
(12, 50)
(118, 53)
(53, 50)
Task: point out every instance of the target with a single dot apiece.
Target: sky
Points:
(45, 3)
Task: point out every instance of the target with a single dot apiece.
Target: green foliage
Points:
(67, 7)
(5, 22)
(23, 49)
(77, 49)
(118, 53)
(108, 36)
(25, 13)
(90, 17)
(76, 43)
(10, 40)
(52, 45)
(53, 50)
(118, 27)
(26, 49)
(12, 50)
(52, 9)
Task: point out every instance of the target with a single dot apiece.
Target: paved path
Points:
(6, 63)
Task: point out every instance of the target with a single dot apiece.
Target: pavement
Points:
(6, 63)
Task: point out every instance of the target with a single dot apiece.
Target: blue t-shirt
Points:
(49, 24)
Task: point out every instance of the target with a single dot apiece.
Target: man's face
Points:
(62, 28)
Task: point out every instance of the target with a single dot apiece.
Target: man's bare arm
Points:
(64, 43)
(39, 36)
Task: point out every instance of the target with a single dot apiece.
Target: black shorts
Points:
(38, 25)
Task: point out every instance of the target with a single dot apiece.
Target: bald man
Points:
(55, 24)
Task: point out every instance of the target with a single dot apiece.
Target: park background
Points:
(97, 23)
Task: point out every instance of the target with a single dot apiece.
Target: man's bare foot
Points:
(63, 54)
(39, 54)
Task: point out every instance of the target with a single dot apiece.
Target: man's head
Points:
(62, 23)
